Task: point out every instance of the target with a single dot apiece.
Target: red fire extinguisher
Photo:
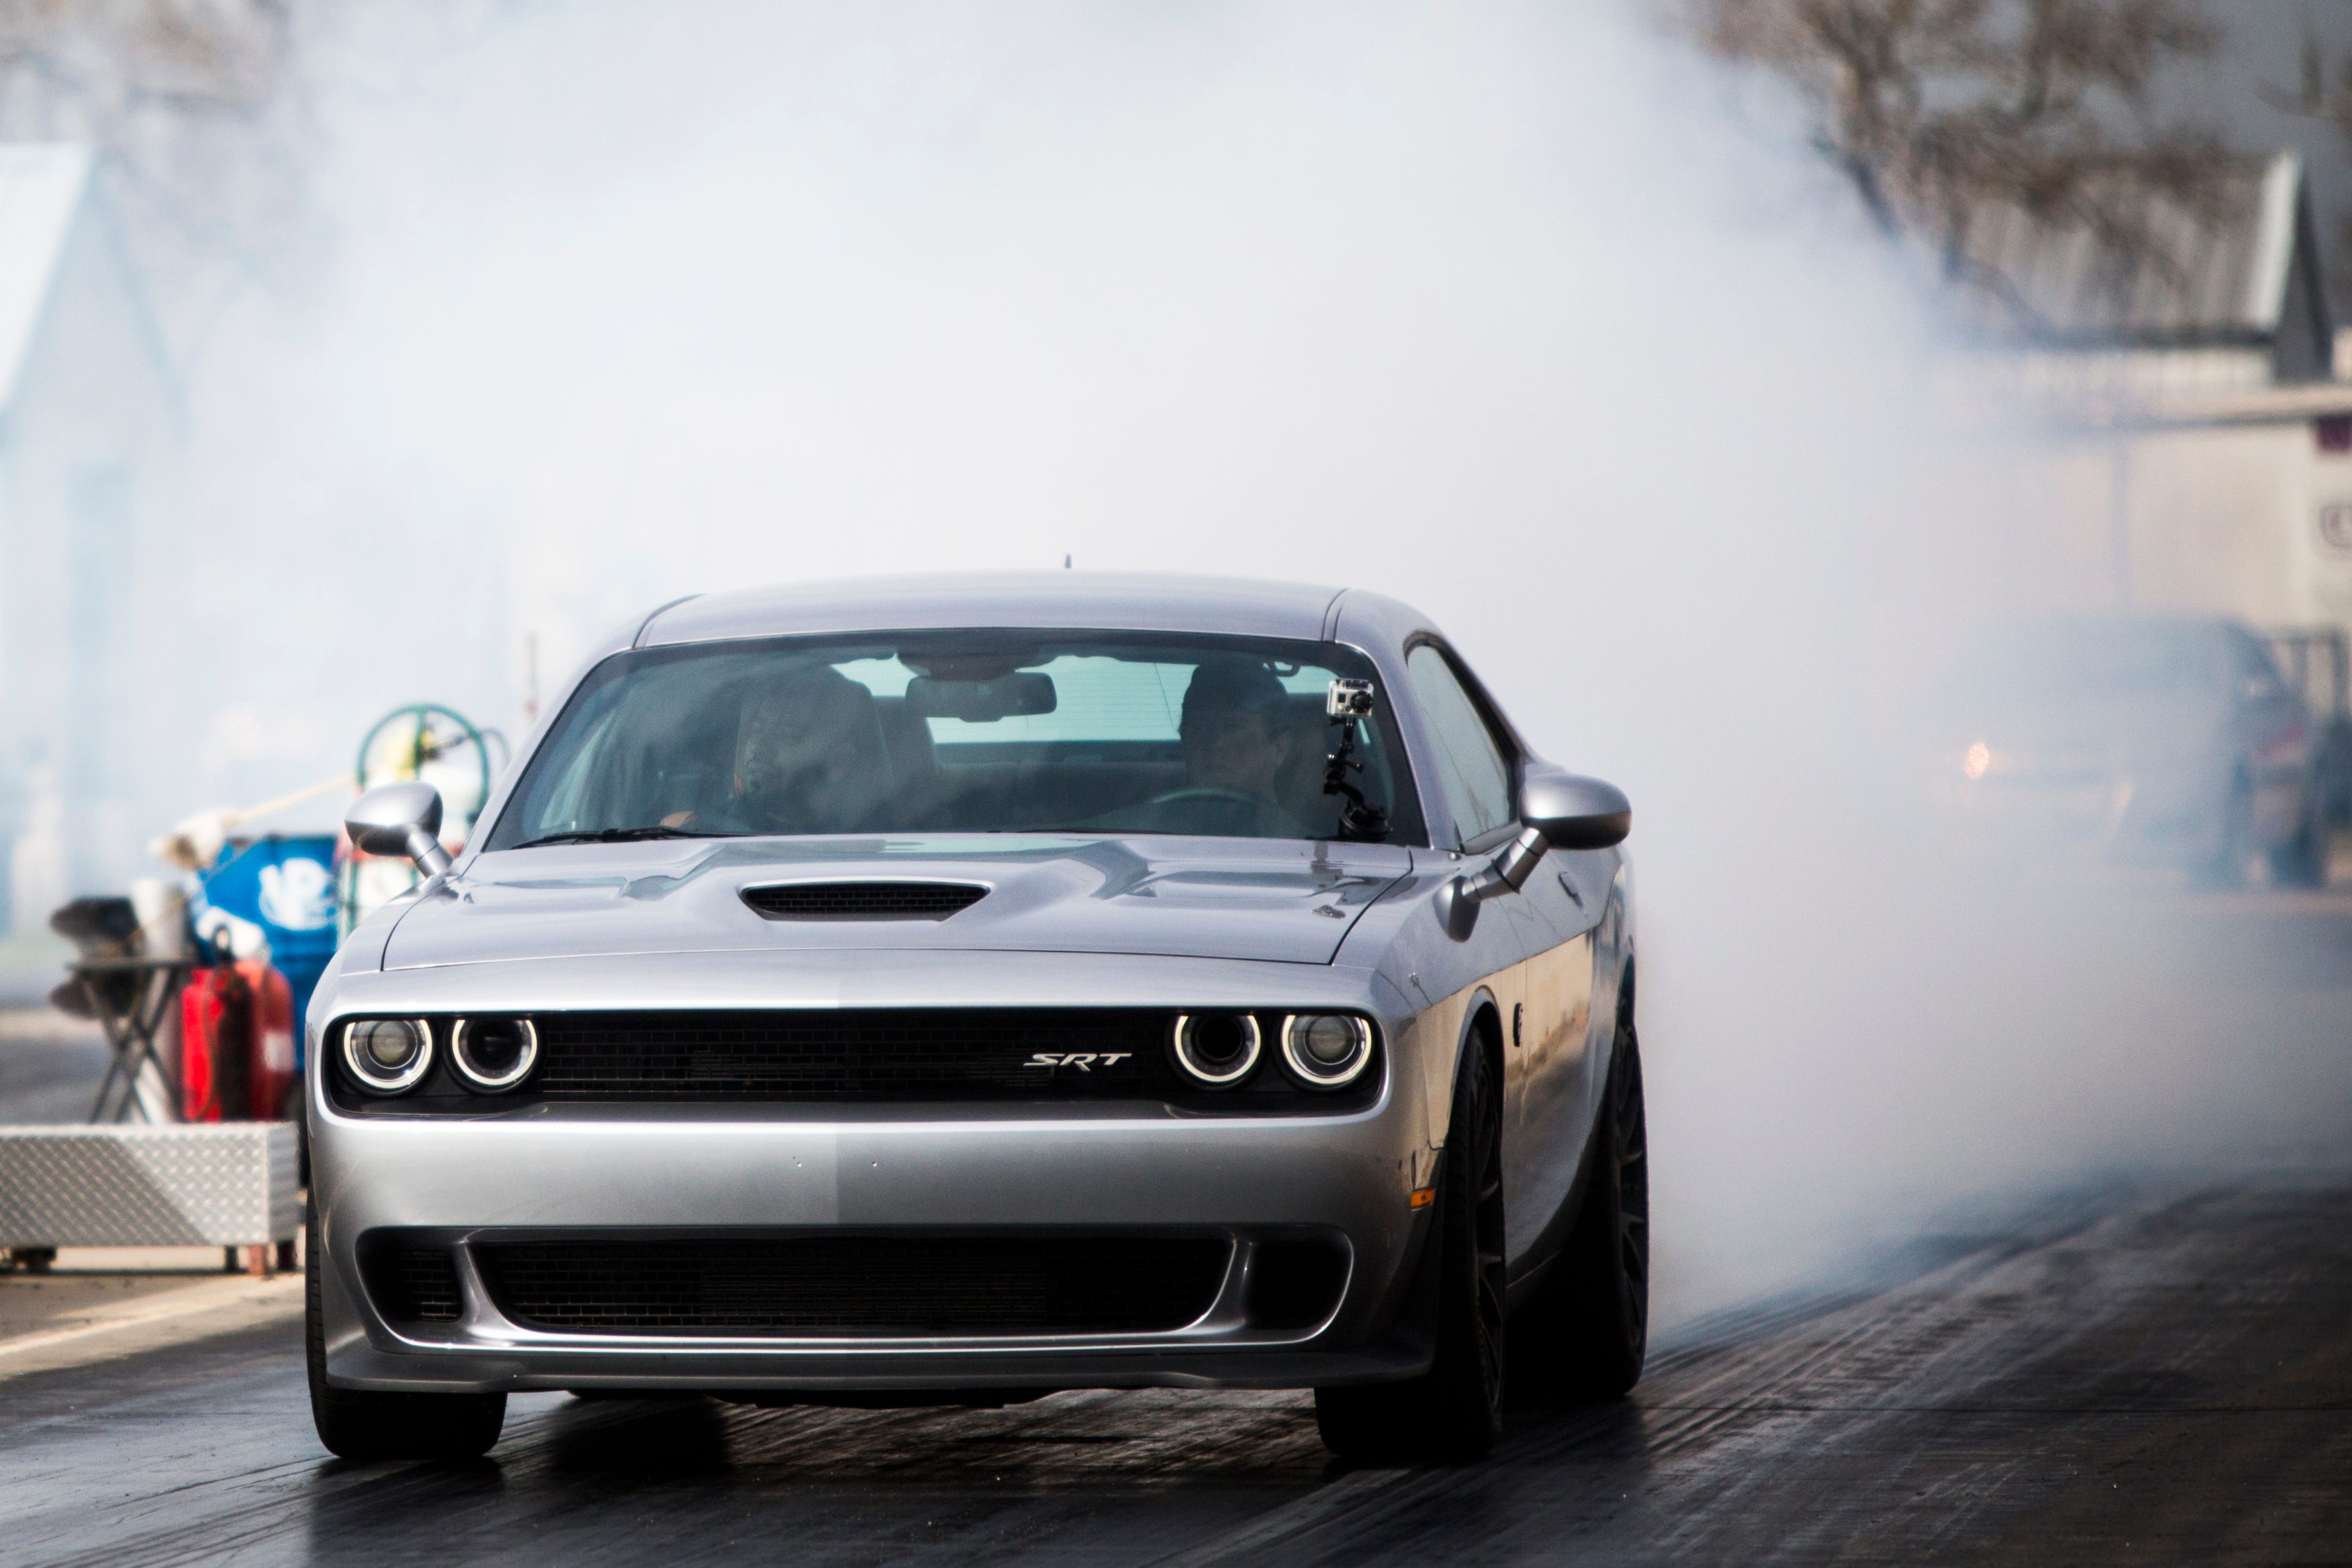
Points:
(216, 1045)
(237, 1043)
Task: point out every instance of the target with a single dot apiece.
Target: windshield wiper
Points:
(621, 836)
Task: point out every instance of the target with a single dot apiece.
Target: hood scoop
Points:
(863, 900)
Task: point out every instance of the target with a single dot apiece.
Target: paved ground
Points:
(87, 1281)
(2171, 1383)
(2141, 1377)
(49, 1065)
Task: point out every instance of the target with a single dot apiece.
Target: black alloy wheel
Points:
(361, 1424)
(1586, 1334)
(2234, 852)
(2302, 861)
(1455, 1410)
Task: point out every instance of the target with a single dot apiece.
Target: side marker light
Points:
(1421, 1197)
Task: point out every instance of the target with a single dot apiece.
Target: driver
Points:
(1234, 733)
(808, 758)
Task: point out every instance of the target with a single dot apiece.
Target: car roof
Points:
(1094, 600)
(2125, 620)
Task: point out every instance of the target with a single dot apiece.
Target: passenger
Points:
(1236, 735)
(808, 758)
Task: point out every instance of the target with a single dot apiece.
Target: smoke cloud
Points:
(1521, 315)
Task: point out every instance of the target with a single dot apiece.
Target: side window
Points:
(2257, 675)
(1477, 784)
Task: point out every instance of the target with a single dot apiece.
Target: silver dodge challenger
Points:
(952, 991)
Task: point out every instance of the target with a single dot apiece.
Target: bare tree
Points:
(1934, 110)
(112, 57)
(187, 105)
(2324, 94)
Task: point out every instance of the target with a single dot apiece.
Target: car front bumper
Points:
(1247, 1180)
(582, 1172)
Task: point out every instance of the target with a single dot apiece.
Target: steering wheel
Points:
(1224, 792)
(1216, 806)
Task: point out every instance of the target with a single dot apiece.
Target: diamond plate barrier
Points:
(218, 1184)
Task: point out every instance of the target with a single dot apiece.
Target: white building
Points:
(91, 436)
(2198, 448)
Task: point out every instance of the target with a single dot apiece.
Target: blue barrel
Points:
(285, 883)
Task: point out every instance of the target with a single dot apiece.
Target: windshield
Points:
(968, 731)
(2093, 659)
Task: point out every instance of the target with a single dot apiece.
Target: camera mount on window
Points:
(1348, 701)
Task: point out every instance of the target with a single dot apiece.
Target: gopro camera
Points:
(1348, 699)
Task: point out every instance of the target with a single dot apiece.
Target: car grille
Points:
(412, 1283)
(1296, 1284)
(975, 1056)
(856, 1285)
(898, 1054)
(863, 900)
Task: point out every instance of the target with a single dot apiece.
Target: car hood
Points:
(2136, 728)
(1269, 899)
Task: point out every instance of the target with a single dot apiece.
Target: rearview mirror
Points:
(1571, 812)
(401, 819)
(1020, 695)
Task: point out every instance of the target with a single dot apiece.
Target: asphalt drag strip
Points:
(2168, 1384)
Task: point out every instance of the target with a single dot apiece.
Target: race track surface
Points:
(2162, 1384)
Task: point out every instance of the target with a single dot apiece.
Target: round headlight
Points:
(1327, 1049)
(1217, 1049)
(388, 1056)
(493, 1054)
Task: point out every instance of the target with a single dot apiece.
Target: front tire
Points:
(1591, 1317)
(360, 1424)
(1455, 1410)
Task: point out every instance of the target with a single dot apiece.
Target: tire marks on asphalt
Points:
(2173, 1382)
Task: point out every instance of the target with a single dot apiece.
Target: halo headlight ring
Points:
(1195, 1038)
(1326, 1051)
(371, 1055)
(484, 1067)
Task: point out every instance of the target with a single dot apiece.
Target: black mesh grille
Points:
(857, 1285)
(414, 1284)
(969, 1056)
(897, 1053)
(1295, 1284)
(863, 900)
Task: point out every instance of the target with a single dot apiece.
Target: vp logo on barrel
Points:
(298, 895)
(2335, 525)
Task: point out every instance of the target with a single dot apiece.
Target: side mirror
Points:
(400, 820)
(1571, 812)
(1558, 811)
